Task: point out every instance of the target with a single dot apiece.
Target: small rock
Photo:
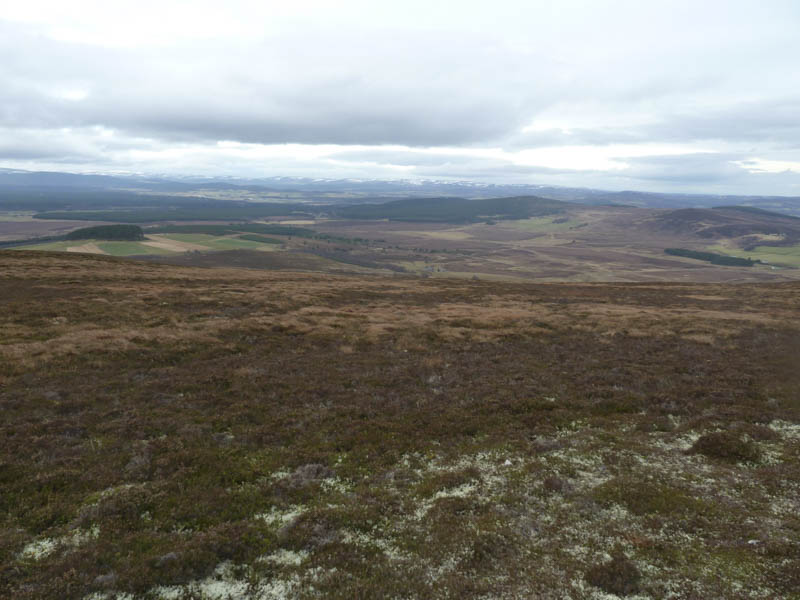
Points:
(166, 559)
(618, 576)
(108, 580)
(224, 439)
(137, 463)
(308, 474)
(542, 445)
(557, 485)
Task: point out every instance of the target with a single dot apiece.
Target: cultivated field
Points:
(154, 244)
(175, 432)
(576, 243)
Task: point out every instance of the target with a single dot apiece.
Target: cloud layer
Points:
(659, 95)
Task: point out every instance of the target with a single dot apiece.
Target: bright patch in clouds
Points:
(73, 95)
(758, 165)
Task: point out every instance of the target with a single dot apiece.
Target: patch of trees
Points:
(716, 259)
(200, 212)
(52, 199)
(108, 232)
(258, 228)
(348, 259)
(137, 208)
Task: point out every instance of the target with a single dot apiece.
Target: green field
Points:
(226, 243)
(130, 249)
(16, 216)
(783, 256)
(194, 238)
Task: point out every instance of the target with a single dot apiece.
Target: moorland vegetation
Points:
(174, 432)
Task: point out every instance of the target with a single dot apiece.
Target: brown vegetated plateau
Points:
(175, 431)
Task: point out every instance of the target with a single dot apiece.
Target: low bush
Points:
(726, 445)
(618, 576)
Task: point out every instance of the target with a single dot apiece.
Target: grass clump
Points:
(448, 480)
(647, 497)
(618, 576)
(726, 445)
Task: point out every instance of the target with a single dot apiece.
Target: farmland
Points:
(155, 244)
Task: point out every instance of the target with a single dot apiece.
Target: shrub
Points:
(617, 576)
(715, 259)
(647, 497)
(726, 445)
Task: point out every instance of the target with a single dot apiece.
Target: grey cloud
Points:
(287, 90)
(686, 168)
(772, 121)
(601, 136)
(717, 75)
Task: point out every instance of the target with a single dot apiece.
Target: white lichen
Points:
(286, 558)
(278, 518)
(39, 549)
(223, 584)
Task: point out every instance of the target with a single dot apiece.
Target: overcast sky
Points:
(694, 96)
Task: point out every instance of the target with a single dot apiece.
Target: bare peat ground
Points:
(173, 432)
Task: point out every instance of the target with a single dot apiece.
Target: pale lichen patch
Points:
(39, 549)
(786, 429)
(278, 518)
(224, 584)
(284, 557)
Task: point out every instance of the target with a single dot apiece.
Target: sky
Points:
(670, 96)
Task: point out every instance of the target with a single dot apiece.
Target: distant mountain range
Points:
(349, 191)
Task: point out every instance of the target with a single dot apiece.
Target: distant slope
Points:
(53, 186)
(756, 211)
(210, 211)
(456, 210)
(789, 205)
(750, 225)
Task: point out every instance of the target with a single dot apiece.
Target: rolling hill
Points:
(748, 225)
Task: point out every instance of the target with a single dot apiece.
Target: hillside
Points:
(456, 210)
(181, 432)
(58, 187)
(751, 226)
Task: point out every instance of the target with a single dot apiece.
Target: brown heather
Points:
(209, 433)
